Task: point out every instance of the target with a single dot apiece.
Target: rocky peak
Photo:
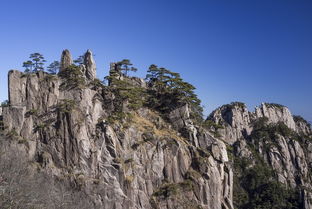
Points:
(276, 113)
(66, 60)
(115, 72)
(235, 120)
(140, 162)
(90, 65)
(302, 126)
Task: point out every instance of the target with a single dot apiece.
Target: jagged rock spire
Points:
(66, 60)
(90, 65)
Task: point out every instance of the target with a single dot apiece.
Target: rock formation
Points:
(271, 132)
(117, 157)
(140, 162)
(66, 60)
(90, 65)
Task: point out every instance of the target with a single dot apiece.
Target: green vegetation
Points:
(5, 103)
(236, 104)
(264, 130)
(1, 124)
(66, 106)
(213, 127)
(116, 116)
(298, 118)
(171, 189)
(168, 91)
(127, 92)
(96, 84)
(73, 78)
(211, 124)
(279, 106)
(79, 60)
(124, 67)
(35, 63)
(54, 67)
(30, 112)
(256, 187)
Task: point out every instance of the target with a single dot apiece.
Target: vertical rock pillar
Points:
(66, 60)
(90, 65)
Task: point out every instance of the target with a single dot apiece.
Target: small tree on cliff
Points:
(124, 66)
(54, 67)
(35, 64)
(79, 60)
(28, 65)
(168, 91)
(38, 61)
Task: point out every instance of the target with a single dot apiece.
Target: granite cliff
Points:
(99, 146)
(273, 138)
(71, 128)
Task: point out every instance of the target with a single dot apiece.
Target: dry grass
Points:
(145, 125)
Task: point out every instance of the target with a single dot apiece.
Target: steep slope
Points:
(69, 126)
(268, 146)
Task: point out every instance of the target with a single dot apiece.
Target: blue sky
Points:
(244, 50)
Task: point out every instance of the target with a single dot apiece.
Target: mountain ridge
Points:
(113, 150)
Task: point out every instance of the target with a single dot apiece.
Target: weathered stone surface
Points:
(130, 164)
(288, 155)
(66, 60)
(89, 63)
(235, 120)
(145, 161)
(276, 114)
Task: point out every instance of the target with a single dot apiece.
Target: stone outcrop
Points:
(235, 119)
(276, 113)
(90, 66)
(66, 60)
(140, 159)
(144, 163)
(286, 149)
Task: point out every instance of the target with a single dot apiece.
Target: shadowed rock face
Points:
(66, 60)
(283, 142)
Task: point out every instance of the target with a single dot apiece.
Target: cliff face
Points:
(72, 131)
(137, 161)
(272, 135)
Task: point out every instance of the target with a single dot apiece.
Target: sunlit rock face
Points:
(142, 163)
(66, 60)
(143, 159)
(90, 65)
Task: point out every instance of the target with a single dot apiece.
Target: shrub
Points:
(96, 84)
(66, 106)
(73, 78)
(30, 112)
(279, 106)
(256, 186)
(5, 103)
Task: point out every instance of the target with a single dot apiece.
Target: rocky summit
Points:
(69, 140)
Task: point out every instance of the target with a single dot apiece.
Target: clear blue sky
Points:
(250, 51)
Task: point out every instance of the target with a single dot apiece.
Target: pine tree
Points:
(125, 66)
(37, 61)
(28, 65)
(169, 91)
(79, 60)
(54, 67)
